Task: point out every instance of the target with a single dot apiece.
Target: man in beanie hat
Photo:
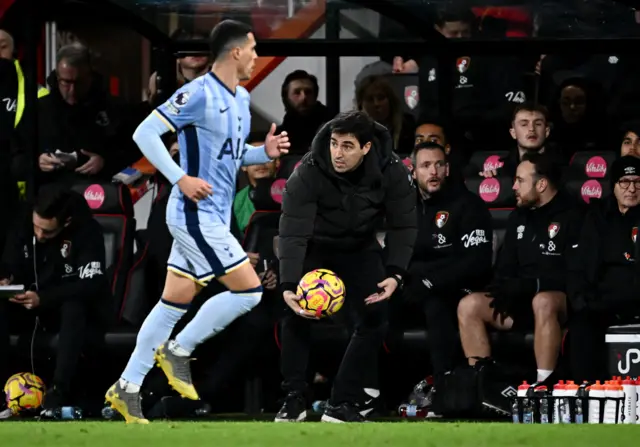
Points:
(603, 277)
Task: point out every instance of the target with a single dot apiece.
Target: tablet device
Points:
(11, 290)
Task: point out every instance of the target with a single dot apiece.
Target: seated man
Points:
(603, 276)
(60, 259)
(528, 289)
(452, 252)
(244, 203)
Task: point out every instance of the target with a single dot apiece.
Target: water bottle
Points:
(527, 410)
(515, 403)
(109, 413)
(541, 393)
(411, 411)
(319, 406)
(67, 413)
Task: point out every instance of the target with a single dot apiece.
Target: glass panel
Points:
(280, 19)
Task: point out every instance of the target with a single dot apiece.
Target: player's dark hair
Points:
(354, 123)
(531, 107)
(427, 146)
(297, 75)
(61, 203)
(546, 166)
(226, 35)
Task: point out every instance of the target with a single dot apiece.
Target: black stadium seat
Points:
(591, 164)
(586, 189)
(287, 164)
(259, 234)
(499, 217)
(496, 192)
(113, 208)
(486, 161)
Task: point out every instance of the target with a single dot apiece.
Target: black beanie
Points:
(626, 165)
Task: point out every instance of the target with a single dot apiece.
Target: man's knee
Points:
(549, 305)
(473, 307)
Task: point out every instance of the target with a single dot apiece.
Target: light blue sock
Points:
(215, 315)
(155, 330)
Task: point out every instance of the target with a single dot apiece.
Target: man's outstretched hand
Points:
(276, 145)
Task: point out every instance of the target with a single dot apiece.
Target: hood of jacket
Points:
(374, 162)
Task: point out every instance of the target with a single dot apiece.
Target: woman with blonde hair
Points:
(375, 97)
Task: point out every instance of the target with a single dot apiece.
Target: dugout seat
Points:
(496, 192)
(585, 189)
(112, 207)
(481, 161)
(260, 232)
(288, 164)
(591, 164)
(499, 217)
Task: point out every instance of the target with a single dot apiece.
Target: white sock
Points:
(178, 350)
(543, 374)
(129, 387)
(372, 392)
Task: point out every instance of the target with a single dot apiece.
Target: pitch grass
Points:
(267, 434)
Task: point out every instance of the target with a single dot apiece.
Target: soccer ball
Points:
(322, 292)
(24, 391)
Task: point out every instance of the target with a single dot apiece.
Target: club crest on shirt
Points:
(634, 234)
(441, 218)
(554, 229)
(181, 99)
(65, 249)
(463, 63)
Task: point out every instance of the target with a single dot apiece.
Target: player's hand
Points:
(253, 258)
(488, 173)
(388, 286)
(30, 299)
(93, 165)
(276, 145)
(293, 301)
(194, 188)
(49, 162)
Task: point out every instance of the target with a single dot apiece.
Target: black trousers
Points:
(360, 272)
(587, 347)
(77, 331)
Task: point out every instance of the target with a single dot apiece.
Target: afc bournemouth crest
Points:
(634, 234)
(65, 249)
(411, 96)
(554, 228)
(463, 63)
(441, 218)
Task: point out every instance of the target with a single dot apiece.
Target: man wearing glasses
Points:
(603, 278)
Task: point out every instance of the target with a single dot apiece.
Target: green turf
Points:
(265, 434)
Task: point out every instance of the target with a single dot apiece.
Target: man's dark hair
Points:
(449, 14)
(297, 75)
(546, 166)
(436, 122)
(61, 203)
(226, 35)
(75, 54)
(427, 146)
(354, 123)
(531, 107)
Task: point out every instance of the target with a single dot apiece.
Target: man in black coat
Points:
(59, 258)
(603, 279)
(331, 205)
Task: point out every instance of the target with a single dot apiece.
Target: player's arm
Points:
(184, 108)
(255, 155)
(402, 227)
(299, 207)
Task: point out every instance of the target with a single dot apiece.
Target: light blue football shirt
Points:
(212, 125)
